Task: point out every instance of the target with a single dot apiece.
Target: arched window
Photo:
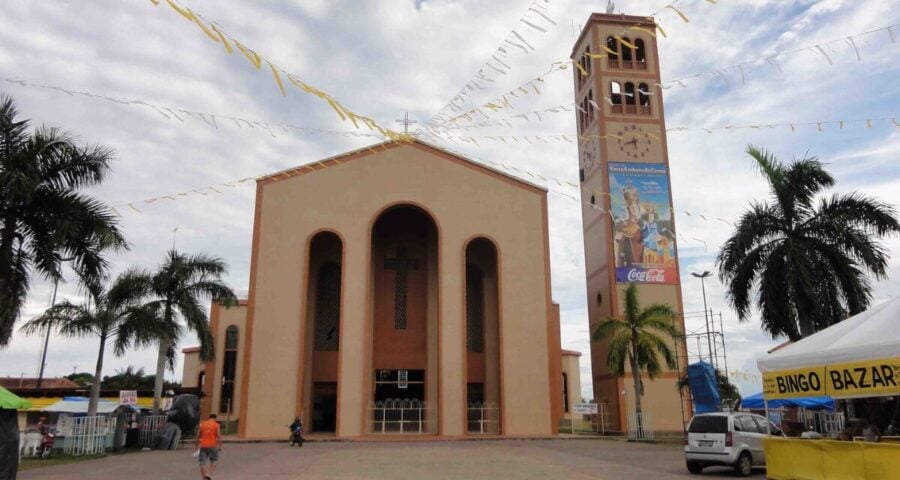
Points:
(626, 53)
(229, 366)
(629, 94)
(640, 54)
(644, 98)
(612, 56)
(615, 89)
(328, 308)
(565, 381)
(474, 309)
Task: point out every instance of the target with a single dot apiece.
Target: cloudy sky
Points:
(384, 58)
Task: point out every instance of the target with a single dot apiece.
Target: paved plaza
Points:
(389, 460)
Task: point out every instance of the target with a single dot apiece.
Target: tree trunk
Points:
(638, 387)
(160, 375)
(806, 328)
(8, 313)
(95, 385)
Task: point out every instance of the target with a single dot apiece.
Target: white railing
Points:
(586, 423)
(826, 423)
(640, 426)
(150, 427)
(87, 435)
(483, 418)
(400, 416)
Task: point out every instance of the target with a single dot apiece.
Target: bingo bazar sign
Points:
(866, 378)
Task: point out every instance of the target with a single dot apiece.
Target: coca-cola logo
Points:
(650, 275)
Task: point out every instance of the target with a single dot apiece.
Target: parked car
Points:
(726, 438)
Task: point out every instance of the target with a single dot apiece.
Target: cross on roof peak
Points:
(406, 122)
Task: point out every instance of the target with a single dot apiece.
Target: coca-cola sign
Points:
(645, 275)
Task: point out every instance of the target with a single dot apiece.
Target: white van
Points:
(726, 438)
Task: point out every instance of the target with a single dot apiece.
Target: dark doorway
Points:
(324, 414)
(391, 384)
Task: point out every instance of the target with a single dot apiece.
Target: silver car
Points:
(732, 439)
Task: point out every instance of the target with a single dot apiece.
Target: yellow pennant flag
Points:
(184, 12)
(277, 78)
(225, 42)
(250, 54)
(680, 14)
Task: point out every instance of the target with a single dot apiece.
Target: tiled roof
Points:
(31, 382)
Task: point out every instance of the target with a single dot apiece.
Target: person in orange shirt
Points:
(209, 444)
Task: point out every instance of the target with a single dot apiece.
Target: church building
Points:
(395, 289)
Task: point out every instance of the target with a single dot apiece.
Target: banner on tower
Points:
(642, 223)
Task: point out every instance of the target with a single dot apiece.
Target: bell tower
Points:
(627, 214)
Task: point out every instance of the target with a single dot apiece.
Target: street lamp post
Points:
(702, 277)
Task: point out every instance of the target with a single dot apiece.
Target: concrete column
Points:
(355, 341)
(453, 338)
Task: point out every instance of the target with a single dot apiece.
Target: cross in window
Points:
(401, 264)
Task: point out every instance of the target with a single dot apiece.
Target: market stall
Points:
(858, 357)
(9, 433)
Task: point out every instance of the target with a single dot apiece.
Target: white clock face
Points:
(634, 142)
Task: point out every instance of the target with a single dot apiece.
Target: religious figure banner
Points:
(642, 223)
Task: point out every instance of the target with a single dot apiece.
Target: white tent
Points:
(81, 406)
(859, 356)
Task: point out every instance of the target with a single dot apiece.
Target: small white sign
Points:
(585, 408)
(128, 397)
(402, 378)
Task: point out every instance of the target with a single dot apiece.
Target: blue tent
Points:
(704, 389)
(755, 402)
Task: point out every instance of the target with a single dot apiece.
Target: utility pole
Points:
(40, 379)
(702, 277)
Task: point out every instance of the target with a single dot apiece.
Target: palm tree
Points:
(43, 217)
(807, 261)
(635, 339)
(110, 314)
(178, 287)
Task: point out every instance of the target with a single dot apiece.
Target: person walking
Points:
(209, 444)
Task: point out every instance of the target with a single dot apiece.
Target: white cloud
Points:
(385, 58)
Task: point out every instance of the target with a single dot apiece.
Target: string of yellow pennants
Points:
(849, 41)
(537, 20)
(593, 195)
(219, 188)
(216, 34)
(502, 101)
(820, 126)
(209, 119)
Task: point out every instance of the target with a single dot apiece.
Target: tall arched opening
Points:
(404, 311)
(482, 290)
(323, 324)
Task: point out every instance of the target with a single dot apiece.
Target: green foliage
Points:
(44, 218)
(805, 262)
(178, 286)
(109, 314)
(131, 379)
(636, 339)
(83, 379)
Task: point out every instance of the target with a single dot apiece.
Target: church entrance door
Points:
(404, 321)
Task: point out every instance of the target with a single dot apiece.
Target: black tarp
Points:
(185, 412)
(9, 444)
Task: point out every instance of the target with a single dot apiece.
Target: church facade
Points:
(397, 289)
